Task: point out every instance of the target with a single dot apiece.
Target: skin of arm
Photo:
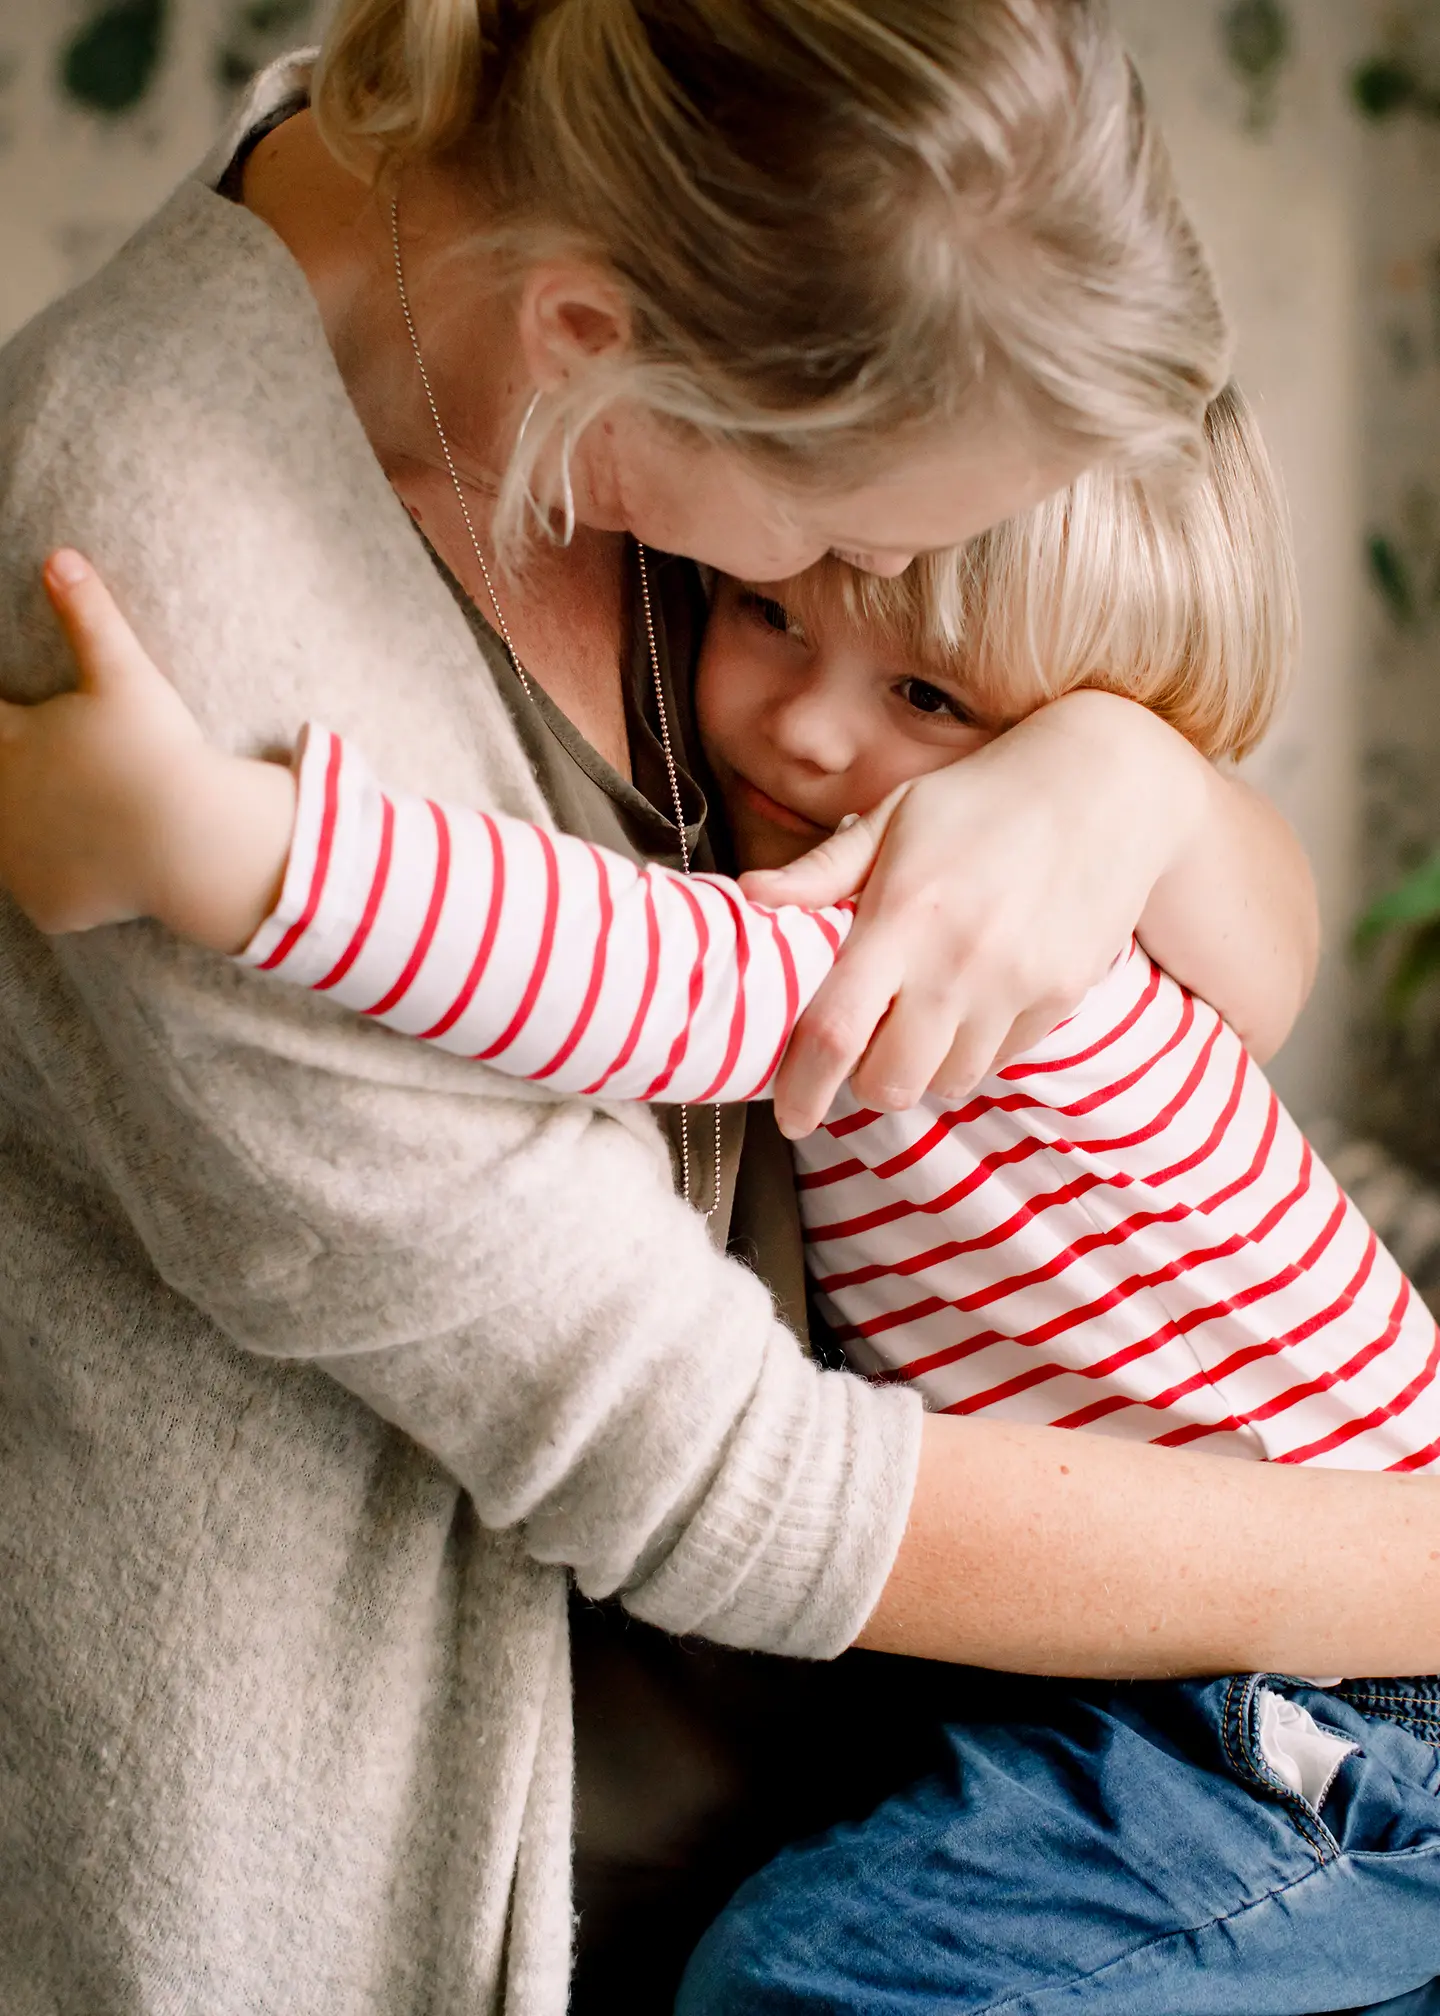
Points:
(1232, 916)
(1235, 919)
(158, 822)
(1151, 1563)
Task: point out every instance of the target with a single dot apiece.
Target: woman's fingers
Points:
(906, 1050)
(934, 1046)
(833, 870)
(834, 1032)
(827, 874)
(108, 655)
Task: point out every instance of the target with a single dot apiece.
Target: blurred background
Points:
(1307, 138)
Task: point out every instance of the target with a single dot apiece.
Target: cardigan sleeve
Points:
(506, 1277)
(536, 952)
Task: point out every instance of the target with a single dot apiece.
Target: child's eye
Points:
(774, 615)
(928, 699)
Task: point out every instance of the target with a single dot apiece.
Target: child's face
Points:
(803, 724)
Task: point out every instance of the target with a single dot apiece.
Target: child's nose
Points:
(812, 728)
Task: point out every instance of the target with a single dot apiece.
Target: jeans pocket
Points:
(1280, 1750)
(1301, 1752)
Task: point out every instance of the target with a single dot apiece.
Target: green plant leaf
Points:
(273, 17)
(1390, 573)
(1415, 900)
(110, 64)
(1388, 85)
(1417, 966)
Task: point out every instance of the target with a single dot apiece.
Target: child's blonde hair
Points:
(1186, 603)
(835, 223)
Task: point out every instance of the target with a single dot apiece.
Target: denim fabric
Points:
(1120, 1848)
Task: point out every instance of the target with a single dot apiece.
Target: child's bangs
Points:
(1185, 603)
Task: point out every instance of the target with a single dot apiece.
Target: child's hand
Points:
(85, 778)
(112, 804)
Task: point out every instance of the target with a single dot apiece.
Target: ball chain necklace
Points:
(666, 746)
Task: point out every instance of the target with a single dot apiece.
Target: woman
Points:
(325, 1361)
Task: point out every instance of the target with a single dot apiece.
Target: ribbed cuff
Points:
(794, 1542)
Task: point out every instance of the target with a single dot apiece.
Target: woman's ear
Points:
(570, 316)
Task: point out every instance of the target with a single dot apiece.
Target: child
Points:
(1121, 1230)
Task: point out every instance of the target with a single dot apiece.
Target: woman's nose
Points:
(886, 565)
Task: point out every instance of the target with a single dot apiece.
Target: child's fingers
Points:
(106, 649)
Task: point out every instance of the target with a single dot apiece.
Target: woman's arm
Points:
(1147, 1562)
(996, 892)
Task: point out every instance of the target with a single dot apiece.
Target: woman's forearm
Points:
(1235, 918)
(1041, 1550)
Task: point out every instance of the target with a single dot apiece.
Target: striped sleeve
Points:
(535, 952)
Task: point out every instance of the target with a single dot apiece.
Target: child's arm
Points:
(1235, 918)
(536, 952)
(547, 957)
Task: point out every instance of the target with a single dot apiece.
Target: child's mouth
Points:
(770, 809)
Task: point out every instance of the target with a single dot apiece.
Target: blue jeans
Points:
(1133, 1849)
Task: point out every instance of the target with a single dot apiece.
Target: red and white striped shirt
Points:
(1123, 1230)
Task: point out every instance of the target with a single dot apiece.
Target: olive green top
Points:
(757, 1217)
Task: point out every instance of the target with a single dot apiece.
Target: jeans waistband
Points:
(1411, 1698)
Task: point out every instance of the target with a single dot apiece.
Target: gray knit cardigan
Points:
(324, 1358)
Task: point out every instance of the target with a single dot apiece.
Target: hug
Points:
(581, 1432)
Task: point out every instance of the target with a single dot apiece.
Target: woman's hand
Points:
(995, 894)
(112, 804)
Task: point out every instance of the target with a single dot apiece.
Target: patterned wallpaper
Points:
(1308, 140)
(104, 104)
(1396, 92)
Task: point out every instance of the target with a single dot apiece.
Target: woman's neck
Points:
(566, 611)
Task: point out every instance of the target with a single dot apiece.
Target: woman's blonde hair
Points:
(836, 223)
(1186, 603)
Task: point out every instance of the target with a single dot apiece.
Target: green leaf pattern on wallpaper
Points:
(1397, 84)
(1394, 90)
(1257, 37)
(110, 62)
